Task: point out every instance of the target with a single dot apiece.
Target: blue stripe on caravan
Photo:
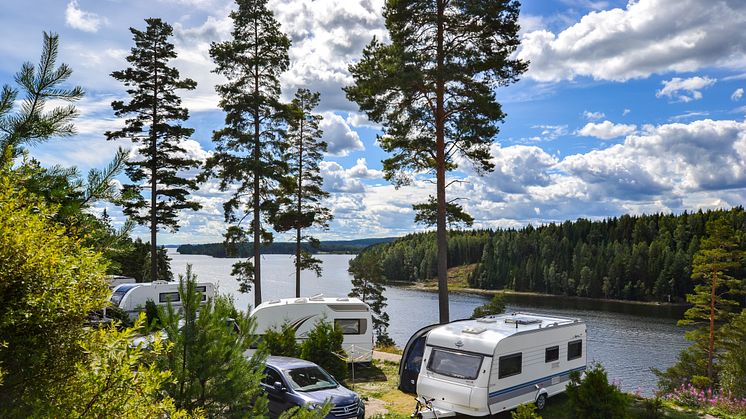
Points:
(530, 383)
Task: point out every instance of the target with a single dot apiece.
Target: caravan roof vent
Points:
(486, 320)
(274, 301)
(522, 320)
(317, 297)
(343, 299)
(301, 300)
(473, 330)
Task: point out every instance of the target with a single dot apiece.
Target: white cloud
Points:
(82, 20)
(340, 138)
(646, 37)
(737, 94)
(606, 130)
(593, 115)
(685, 90)
(626, 112)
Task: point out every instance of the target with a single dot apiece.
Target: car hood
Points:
(338, 396)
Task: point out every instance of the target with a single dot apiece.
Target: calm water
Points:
(627, 339)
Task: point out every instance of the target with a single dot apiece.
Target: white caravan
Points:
(132, 297)
(352, 315)
(492, 364)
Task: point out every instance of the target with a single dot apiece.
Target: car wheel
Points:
(541, 402)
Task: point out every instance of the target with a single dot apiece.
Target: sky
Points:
(627, 107)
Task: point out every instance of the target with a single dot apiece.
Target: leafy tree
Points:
(712, 300)
(249, 149)
(368, 285)
(114, 379)
(432, 89)
(134, 261)
(31, 123)
(732, 360)
(495, 306)
(282, 342)
(690, 367)
(211, 372)
(49, 283)
(324, 347)
(155, 113)
(301, 193)
(593, 397)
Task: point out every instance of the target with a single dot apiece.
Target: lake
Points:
(628, 339)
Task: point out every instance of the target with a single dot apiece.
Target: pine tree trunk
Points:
(257, 185)
(711, 340)
(442, 239)
(154, 172)
(299, 207)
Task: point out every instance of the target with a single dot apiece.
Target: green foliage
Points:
(690, 367)
(368, 285)
(495, 306)
(248, 156)
(152, 317)
(211, 372)
(154, 104)
(653, 408)
(114, 379)
(32, 123)
(49, 284)
(324, 347)
(301, 191)
(133, 260)
(714, 298)
(593, 397)
(732, 360)
(525, 411)
(427, 212)
(300, 412)
(282, 342)
(433, 91)
(218, 250)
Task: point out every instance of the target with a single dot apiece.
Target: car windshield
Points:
(310, 379)
(455, 364)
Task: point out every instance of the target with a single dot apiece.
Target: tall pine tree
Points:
(248, 157)
(714, 300)
(154, 114)
(432, 89)
(301, 194)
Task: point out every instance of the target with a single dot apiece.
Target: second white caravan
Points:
(351, 315)
(492, 364)
(133, 297)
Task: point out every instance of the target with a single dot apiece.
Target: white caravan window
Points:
(510, 365)
(574, 350)
(455, 364)
(348, 326)
(168, 296)
(551, 354)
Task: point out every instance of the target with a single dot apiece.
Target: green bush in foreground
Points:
(324, 347)
(525, 411)
(593, 397)
(282, 342)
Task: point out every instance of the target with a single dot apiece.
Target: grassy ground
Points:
(378, 383)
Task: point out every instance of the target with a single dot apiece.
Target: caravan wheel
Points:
(541, 402)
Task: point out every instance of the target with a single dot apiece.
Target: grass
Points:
(378, 383)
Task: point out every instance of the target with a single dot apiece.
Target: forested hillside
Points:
(645, 257)
(218, 250)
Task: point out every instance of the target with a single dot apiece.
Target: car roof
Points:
(284, 362)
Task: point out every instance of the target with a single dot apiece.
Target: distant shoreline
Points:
(431, 286)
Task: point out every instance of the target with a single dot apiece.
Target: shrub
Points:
(525, 411)
(495, 306)
(282, 342)
(594, 397)
(324, 347)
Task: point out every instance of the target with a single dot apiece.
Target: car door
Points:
(278, 400)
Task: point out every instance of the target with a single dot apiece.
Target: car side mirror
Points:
(279, 387)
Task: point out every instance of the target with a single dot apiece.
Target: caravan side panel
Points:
(527, 364)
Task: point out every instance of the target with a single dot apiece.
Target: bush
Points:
(495, 306)
(324, 347)
(525, 411)
(281, 343)
(593, 397)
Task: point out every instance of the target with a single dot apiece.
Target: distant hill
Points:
(282, 248)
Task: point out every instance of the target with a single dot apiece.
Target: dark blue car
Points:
(291, 382)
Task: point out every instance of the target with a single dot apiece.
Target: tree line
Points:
(218, 250)
(632, 257)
